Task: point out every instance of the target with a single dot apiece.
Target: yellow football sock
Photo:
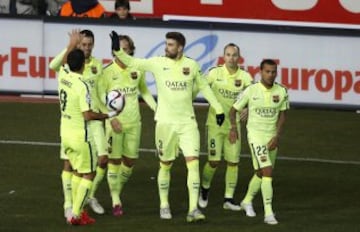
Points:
(113, 178)
(125, 173)
(207, 175)
(267, 194)
(100, 173)
(75, 181)
(81, 196)
(253, 189)
(163, 184)
(231, 178)
(193, 183)
(66, 183)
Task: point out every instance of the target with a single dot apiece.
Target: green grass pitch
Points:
(308, 195)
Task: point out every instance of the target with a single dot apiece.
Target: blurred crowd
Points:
(66, 8)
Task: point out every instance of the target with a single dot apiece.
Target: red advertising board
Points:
(317, 11)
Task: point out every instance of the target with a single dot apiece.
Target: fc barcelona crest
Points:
(186, 71)
(94, 70)
(134, 75)
(237, 83)
(276, 98)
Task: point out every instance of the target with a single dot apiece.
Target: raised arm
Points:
(60, 59)
(130, 61)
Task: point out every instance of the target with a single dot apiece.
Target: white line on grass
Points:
(35, 143)
(20, 142)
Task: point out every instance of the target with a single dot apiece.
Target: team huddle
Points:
(98, 141)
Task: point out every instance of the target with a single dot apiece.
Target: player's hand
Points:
(244, 115)
(273, 143)
(116, 125)
(233, 135)
(115, 43)
(220, 119)
(74, 38)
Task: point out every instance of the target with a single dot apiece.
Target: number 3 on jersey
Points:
(63, 99)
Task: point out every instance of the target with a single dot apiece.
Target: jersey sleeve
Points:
(242, 100)
(136, 63)
(285, 103)
(207, 92)
(248, 80)
(102, 89)
(211, 76)
(57, 61)
(195, 91)
(101, 96)
(99, 92)
(145, 93)
(99, 67)
(84, 97)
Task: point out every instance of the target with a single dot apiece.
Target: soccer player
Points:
(77, 144)
(176, 126)
(84, 40)
(226, 81)
(267, 102)
(125, 130)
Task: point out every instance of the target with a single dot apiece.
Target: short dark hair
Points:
(130, 41)
(76, 60)
(88, 33)
(267, 61)
(122, 3)
(177, 36)
(232, 45)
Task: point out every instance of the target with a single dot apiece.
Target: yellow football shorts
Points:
(218, 145)
(170, 137)
(261, 156)
(125, 143)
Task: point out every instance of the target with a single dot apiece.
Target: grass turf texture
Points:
(308, 196)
